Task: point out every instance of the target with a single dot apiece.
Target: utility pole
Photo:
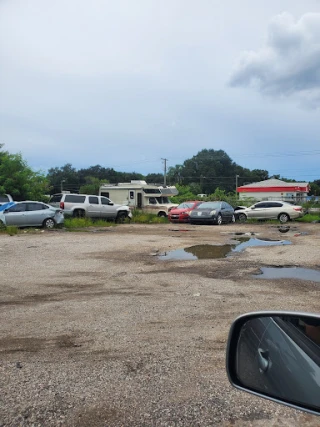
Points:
(165, 172)
(61, 184)
(237, 176)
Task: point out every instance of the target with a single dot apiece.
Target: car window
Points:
(74, 198)
(4, 199)
(21, 207)
(93, 200)
(276, 205)
(55, 198)
(105, 201)
(36, 206)
(260, 205)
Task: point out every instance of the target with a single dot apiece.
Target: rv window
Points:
(152, 200)
(131, 195)
(151, 190)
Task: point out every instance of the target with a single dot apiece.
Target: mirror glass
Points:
(279, 356)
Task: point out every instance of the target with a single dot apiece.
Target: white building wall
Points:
(273, 196)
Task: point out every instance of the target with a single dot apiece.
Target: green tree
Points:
(19, 180)
(63, 178)
(92, 185)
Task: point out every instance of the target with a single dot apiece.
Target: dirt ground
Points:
(99, 328)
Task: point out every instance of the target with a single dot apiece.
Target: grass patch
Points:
(140, 217)
(75, 223)
(12, 230)
(309, 218)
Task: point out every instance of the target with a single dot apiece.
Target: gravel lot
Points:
(97, 330)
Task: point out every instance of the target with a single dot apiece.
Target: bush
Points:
(140, 217)
(73, 223)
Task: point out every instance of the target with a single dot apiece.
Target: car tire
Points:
(121, 217)
(242, 217)
(219, 219)
(79, 213)
(49, 223)
(162, 215)
(283, 217)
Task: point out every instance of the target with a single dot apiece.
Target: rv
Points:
(150, 198)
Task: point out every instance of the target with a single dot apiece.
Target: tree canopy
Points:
(19, 180)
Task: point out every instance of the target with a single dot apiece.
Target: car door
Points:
(107, 208)
(36, 213)
(228, 211)
(16, 215)
(94, 207)
(258, 211)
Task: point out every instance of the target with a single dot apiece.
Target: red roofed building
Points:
(275, 189)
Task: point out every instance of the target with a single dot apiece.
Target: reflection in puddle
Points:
(289, 273)
(248, 243)
(198, 252)
(216, 251)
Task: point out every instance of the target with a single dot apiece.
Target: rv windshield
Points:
(163, 200)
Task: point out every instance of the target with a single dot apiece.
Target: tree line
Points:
(209, 171)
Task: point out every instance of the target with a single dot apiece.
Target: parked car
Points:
(5, 198)
(81, 205)
(181, 212)
(31, 214)
(283, 211)
(212, 213)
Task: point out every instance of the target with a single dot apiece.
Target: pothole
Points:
(218, 251)
(289, 273)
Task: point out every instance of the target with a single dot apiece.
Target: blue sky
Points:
(125, 83)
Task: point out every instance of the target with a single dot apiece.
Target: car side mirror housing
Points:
(276, 355)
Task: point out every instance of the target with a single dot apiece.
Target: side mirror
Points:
(111, 203)
(276, 355)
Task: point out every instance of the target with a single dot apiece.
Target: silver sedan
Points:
(31, 214)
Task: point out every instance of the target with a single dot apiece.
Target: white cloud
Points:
(289, 63)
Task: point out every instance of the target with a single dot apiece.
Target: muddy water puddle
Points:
(219, 251)
(289, 273)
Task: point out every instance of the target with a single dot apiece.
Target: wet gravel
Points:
(96, 330)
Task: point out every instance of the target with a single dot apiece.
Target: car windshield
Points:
(185, 205)
(209, 205)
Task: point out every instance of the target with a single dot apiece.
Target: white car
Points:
(283, 211)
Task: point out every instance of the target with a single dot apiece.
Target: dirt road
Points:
(100, 328)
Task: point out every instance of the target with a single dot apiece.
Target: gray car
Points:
(31, 214)
(212, 213)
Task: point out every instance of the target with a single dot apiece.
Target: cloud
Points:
(288, 65)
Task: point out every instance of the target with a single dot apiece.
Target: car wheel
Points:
(121, 217)
(49, 223)
(162, 214)
(242, 217)
(233, 219)
(219, 219)
(283, 217)
(78, 213)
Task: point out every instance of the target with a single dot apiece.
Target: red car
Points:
(181, 212)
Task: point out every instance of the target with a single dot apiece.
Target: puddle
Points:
(249, 243)
(216, 251)
(198, 252)
(289, 273)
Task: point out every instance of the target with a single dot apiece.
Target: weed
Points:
(140, 217)
(12, 230)
(73, 223)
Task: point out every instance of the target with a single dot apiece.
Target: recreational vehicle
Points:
(150, 198)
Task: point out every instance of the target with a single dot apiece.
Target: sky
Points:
(125, 84)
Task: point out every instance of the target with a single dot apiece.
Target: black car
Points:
(212, 213)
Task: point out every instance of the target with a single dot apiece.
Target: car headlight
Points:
(213, 212)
